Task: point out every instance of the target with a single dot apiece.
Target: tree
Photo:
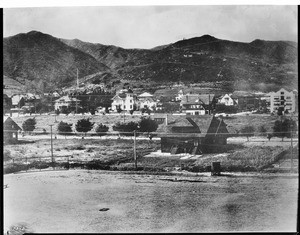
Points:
(247, 131)
(262, 129)
(283, 128)
(84, 125)
(29, 124)
(128, 128)
(101, 129)
(64, 128)
(147, 125)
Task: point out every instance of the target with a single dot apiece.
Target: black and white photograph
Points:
(155, 117)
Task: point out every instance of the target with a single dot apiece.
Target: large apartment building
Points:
(284, 100)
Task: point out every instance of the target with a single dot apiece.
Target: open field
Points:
(74, 201)
(117, 154)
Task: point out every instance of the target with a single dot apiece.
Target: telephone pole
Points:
(134, 149)
(291, 128)
(77, 86)
(52, 159)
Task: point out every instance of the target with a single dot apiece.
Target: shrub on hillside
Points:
(284, 128)
(84, 125)
(222, 108)
(29, 124)
(147, 125)
(64, 128)
(101, 129)
(128, 128)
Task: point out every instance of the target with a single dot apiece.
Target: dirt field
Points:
(70, 201)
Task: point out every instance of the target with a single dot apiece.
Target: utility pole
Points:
(77, 86)
(291, 144)
(134, 149)
(52, 159)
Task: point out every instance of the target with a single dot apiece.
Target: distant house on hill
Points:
(66, 102)
(179, 96)
(125, 100)
(226, 100)
(146, 101)
(202, 134)
(18, 101)
(195, 104)
(10, 129)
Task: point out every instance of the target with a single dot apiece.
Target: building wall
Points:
(282, 99)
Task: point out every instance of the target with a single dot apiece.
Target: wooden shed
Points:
(10, 131)
(194, 135)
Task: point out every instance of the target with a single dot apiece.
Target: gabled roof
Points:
(9, 124)
(145, 94)
(207, 124)
(67, 99)
(197, 99)
(237, 94)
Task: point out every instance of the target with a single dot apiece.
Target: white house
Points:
(227, 100)
(126, 100)
(284, 100)
(66, 102)
(179, 96)
(146, 101)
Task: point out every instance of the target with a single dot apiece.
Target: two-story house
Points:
(146, 101)
(124, 100)
(66, 102)
(195, 104)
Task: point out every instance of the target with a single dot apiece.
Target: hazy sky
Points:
(150, 26)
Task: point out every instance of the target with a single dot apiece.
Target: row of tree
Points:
(281, 128)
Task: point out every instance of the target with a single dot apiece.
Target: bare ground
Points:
(71, 201)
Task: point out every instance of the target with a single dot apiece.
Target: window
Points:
(124, 106)
(130, 106)
(282, 93)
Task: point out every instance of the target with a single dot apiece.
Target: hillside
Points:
(45, 60)
(52, 62)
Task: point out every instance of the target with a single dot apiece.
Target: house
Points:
(10, 131)
(146, 101)
(125, 100)
(179, 96)
(283, 100)
(66, 102)
(195, 104)
(227, 100)
(17, 101)
(194, 135)
(245, 100)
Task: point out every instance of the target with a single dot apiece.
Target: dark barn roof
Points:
(199, 126)
(10, 125)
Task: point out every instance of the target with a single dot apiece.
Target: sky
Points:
(142, 26)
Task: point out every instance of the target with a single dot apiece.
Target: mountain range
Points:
(45, 63)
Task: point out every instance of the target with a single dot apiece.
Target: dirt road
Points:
(71, 201)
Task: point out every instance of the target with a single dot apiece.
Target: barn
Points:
(194, 135)
(10, 131)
